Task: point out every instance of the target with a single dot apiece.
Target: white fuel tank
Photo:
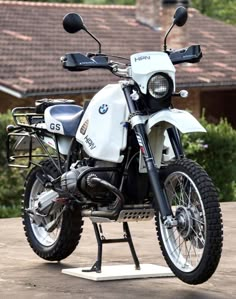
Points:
(103, 128)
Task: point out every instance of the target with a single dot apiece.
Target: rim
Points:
(185, 243)
(43, 237)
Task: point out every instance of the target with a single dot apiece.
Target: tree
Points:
(129, 2)
(109, 1)
(223, 10)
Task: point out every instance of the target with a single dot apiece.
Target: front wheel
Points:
(193, 248)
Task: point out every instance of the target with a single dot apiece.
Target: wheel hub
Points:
(185, 222)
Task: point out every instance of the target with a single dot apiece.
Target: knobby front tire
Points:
(193, 249)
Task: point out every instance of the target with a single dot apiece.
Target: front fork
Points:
(161, 202)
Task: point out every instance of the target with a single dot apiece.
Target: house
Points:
(32, 41)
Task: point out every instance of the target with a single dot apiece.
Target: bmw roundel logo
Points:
(103, 108)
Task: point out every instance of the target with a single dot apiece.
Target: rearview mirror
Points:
(72, 23)
(180, 16)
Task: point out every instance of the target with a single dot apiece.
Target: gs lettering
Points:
(56, 127)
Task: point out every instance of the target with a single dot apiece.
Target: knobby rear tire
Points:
(70, 226)
(205, 231)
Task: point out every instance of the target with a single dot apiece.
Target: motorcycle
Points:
(118, 159)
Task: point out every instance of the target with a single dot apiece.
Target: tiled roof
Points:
(32, 40)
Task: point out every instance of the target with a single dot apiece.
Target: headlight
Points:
(160, 86)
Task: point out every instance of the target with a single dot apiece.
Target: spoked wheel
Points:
(39, 223)
(55, 235)
(192, 249)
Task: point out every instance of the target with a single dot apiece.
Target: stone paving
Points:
(25, 275)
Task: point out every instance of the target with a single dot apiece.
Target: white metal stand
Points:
(117, 272)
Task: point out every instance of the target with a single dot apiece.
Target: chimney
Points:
(177, 38)
(176, 2)
(148, 12)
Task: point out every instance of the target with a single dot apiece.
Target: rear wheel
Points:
(60, 241)
(193, 248)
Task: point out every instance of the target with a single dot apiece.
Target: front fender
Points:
(180, 119)
(156, 127)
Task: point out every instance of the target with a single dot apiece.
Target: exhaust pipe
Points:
(114, 209)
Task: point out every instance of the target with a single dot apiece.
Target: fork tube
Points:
(175, 142)
(160, 202)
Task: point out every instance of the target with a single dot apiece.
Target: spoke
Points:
(195, 219)
(188, 196)
(178, 237)
(185, 245)
(202, 240)
(181, 191)
(170, 235)
(46, 237)
(188, 253)
(179, 249)
(190, 192)
(197, 255)
(174, 194)
(178, 246)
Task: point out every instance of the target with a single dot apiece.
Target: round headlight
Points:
(160, 86)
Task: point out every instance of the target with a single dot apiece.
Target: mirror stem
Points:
(94, 37)
(167, 33)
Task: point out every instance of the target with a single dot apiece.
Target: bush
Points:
(11, 186)
(216, 152)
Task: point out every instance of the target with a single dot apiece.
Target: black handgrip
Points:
(191, 54)
(80, 62)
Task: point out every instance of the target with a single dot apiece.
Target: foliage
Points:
(10, 211)
(215, 151)
(129, 2)
(11, 185)
(223, 10)
(125, 2)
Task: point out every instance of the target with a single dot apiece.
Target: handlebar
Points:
(190, 54)
(81, 62)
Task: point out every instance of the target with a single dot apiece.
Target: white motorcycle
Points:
(118, 159)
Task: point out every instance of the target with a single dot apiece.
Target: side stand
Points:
(102, 240)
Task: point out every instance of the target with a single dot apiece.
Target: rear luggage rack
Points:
(26, 117)
(25, 136)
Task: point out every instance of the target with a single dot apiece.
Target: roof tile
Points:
(33, 41)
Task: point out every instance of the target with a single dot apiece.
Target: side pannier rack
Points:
(25, 142)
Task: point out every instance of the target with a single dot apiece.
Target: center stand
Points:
(114, 272)
(102, 240)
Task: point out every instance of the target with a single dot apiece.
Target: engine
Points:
(80, 179)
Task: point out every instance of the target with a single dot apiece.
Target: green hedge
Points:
(11, 179)
(216, 152)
